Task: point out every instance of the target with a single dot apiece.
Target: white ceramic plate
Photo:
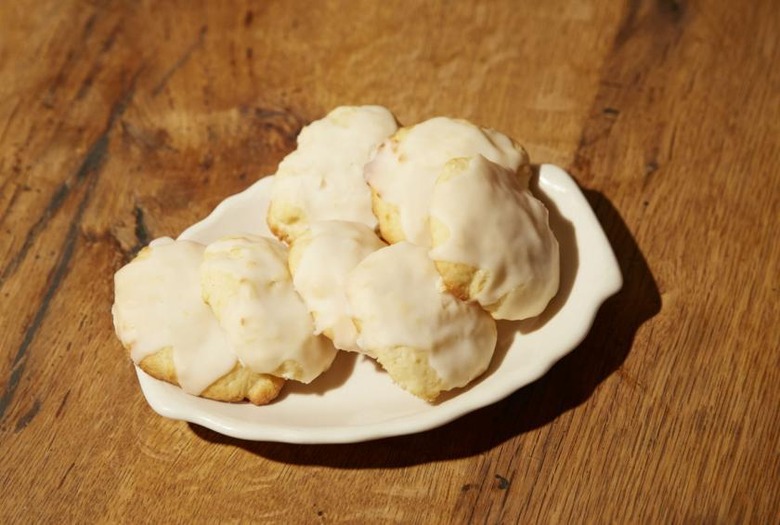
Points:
(354, 400)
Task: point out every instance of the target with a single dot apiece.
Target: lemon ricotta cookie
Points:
(323, 178)
(492, 242)
(172, 334)
(246, 282)
(429, 341)
(403, 171)
(320, 261)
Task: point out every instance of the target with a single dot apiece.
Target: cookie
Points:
(492, 242)
(429, 341)
(172, 334)
(404, 170)
(323, 178)
(320, 261)
(246, 282)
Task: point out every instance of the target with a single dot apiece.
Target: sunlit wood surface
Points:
(123, 121)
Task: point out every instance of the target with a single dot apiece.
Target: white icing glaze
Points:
(246, 282)
(393, 294)
(332, 250)
(324, 175)
(157, 304)
(405, 167)
(497, 225)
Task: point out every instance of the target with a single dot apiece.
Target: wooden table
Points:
(125, 121)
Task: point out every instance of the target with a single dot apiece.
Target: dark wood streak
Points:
(627, 25)
(55, 280)
(70, 59)
(28, 416)
(482, 476)
(89, 25)
(64, 476)
(10, 118)
(11, 202)
(58, 80)
(92, 161)
(141, 231)
(625, 69)
(88, 171)
(180, 62)
(55, 203)
(62, 405)
(86, 84)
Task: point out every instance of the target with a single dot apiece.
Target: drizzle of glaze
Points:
(323, 178)
(157, 305)
(405, 167)
(320, 261)
(484, 217)
(395, 299)
(246, 282)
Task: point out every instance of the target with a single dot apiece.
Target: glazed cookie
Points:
(320, 261)
(492, 242)
(323, 178)
(246, 282)
(428, 341)
(172, 334)
(403, 171)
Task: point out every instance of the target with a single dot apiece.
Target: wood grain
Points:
(124, 121)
